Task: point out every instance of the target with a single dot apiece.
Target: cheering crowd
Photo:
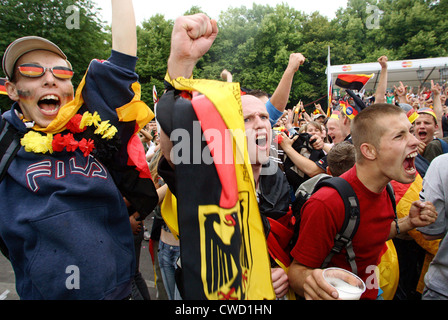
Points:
(92, 164)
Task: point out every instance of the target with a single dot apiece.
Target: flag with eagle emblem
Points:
(214, 208)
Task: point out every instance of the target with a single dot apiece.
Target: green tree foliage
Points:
(253, 43)
(153, 51)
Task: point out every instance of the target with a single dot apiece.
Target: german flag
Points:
(353, 81)
(2, 86)
(348, 110)
(330, 100)
(388, 270)
(405, 194)
(224, 253)
(412, 115)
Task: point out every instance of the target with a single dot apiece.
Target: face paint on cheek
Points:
(25, 95)
(69, 96)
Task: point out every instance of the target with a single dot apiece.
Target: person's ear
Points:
(11, 89)
(368, 151)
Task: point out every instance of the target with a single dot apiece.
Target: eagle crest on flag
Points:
(226, 256)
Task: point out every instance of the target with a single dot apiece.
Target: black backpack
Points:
(9, 146)
(343, 238)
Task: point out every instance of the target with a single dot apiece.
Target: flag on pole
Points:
(329, 85)
(155, 98)
(353, 81)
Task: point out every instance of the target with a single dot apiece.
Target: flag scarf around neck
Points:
(135, 110)
(224, 253)
(66, 112)
(134, 179)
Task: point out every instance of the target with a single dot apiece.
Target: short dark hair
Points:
(257, 93)
(366, 127)
(341, 158)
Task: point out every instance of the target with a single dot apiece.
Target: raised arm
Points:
(401, 93)
(438, 109)
(192, 37)
(380, 94)
(124, 34)
(280, 96)
(226, 75)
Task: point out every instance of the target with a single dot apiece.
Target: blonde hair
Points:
(315, 124)
(153, 164)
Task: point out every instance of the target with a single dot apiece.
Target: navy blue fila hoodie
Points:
(62, 217)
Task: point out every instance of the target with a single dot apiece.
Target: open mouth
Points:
(261, 140)
(422, 135)
(409, 163)
(49, 104)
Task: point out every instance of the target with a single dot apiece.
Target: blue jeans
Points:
(168, 256)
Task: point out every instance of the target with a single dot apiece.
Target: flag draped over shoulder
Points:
(405, 194)
(223, 247)
(352, 81)
(389, 272)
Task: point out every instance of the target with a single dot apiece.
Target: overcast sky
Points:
(171, 9)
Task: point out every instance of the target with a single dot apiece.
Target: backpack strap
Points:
(444, 145)
(9, 145)
(343, 238)
(390, 191)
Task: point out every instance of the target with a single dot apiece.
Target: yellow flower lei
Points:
(37, 143)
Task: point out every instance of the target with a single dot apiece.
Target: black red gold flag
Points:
(349, 110)
(330, 101)
(352, 81)
(224, 254)
(2, 86)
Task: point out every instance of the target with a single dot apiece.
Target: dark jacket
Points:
(62, 216)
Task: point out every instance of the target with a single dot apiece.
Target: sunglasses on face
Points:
(32, 70)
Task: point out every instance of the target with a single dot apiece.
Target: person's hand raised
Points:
(191, 38)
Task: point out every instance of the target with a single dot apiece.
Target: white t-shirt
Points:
(435, 189)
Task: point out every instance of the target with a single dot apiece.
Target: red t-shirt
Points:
(323, 216)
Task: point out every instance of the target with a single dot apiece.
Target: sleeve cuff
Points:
(123, 60)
